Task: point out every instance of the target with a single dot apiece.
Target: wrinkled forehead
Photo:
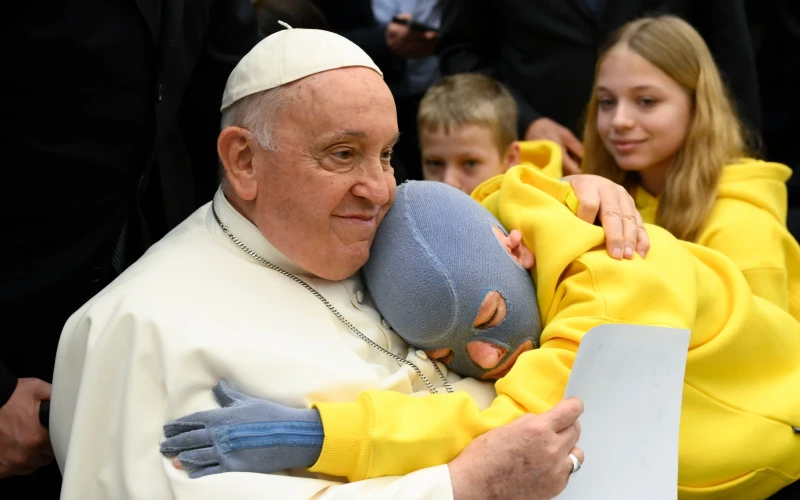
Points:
(341, 99)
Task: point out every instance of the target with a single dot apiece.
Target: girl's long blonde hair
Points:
(715, 134)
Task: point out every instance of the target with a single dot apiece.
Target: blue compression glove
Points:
(245, 435)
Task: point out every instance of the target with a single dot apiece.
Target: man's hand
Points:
(405, 43)
(24, 443)
(571, 147)
(526, 459)
(622, 223)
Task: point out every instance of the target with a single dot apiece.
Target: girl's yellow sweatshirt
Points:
(748, 224)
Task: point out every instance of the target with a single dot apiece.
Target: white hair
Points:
(256, 113)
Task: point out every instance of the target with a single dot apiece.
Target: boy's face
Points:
(463, 157)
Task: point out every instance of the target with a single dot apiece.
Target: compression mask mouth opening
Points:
(447, 358)
(504, 366)
(509, 354)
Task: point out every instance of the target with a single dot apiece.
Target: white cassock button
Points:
(386, 324)
(359, 296)
(421, 354)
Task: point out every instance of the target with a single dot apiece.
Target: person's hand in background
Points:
(406, 43)
(24, 443)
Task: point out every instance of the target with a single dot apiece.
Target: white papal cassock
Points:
(195, 309)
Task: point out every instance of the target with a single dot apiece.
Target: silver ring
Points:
(576, 464)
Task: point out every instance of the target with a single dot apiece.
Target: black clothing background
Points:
(111, 112)
(776, 37)
(545, 51)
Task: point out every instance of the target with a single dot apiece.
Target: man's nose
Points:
(374, 185)
(485, 354)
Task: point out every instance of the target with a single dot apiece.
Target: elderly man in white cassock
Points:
(261, 287)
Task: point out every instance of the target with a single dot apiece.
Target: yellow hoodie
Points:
(747, 222)
(740, 396)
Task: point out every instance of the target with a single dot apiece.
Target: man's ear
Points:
(235, 148)
(512, 156)
(519, 251)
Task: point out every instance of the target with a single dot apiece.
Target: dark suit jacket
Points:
(101, 100)
(545, 50)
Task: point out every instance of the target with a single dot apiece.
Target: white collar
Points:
(248, 234)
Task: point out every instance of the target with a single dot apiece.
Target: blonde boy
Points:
(467, 125)
(468, 133)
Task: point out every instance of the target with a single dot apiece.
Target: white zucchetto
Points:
(290, 55)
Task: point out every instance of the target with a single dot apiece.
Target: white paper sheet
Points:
(631, 381)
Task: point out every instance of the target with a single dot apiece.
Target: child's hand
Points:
(245, 435)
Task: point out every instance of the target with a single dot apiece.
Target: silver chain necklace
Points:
(336, 313)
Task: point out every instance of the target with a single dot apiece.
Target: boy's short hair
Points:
(470, 99)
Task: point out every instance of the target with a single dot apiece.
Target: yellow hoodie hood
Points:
(544, 155)
(748, 225)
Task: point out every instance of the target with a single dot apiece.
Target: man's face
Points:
(463, 157)
(322, 195)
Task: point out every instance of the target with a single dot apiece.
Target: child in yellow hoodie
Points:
(740, 423)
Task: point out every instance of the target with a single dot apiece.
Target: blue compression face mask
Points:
(434, 259)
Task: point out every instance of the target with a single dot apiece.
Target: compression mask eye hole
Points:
(492, 311)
